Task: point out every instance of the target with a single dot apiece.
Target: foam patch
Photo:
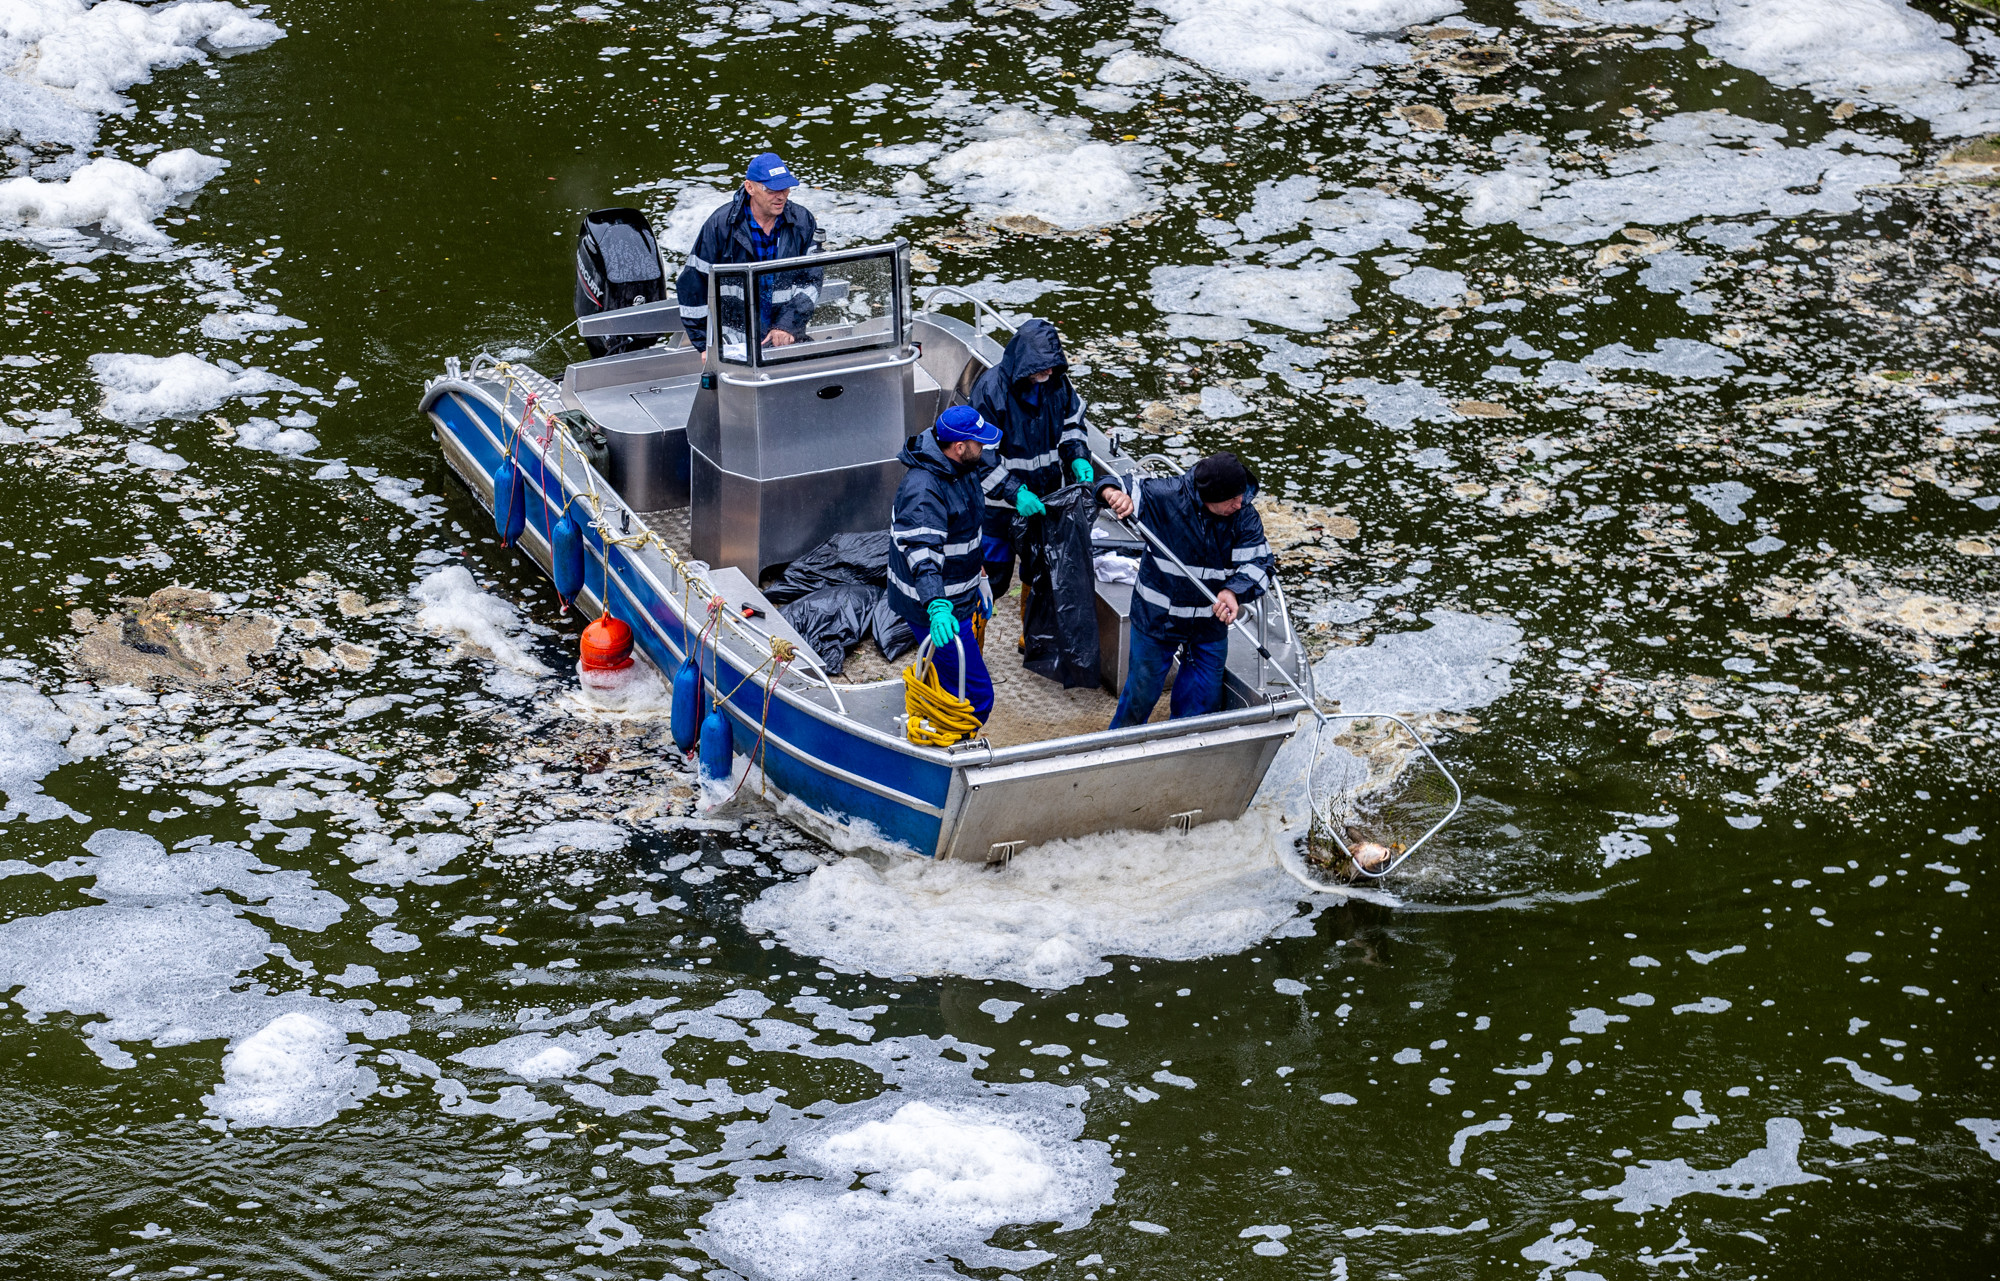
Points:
(113, 195)
(1286, 50)
(1053, 171)
(892, 1187)
(165, 958)
(1300, 298)
(1699, 165)
(453, 605)
(67, 62)
(1459, 663)
(1654, 1185)
(294, 1071)
(32, 733)
(143, 389)
(1054, 916)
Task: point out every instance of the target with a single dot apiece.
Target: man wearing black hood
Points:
(1042, 442)
(1205, 517)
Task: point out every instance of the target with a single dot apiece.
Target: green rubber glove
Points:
(944, 623)
(1083, 471)
(1026, 503)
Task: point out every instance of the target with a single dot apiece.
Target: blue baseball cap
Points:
(962, 422)
(769, 170)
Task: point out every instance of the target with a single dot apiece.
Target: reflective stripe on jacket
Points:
(1222, 551)
(725, 238)
(934, 534)
(1041, 425)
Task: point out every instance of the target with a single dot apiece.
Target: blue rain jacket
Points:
(934, 534)
(789, 299)
(1224, 551)
(1041, 425)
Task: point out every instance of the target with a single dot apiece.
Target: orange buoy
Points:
(607, 644)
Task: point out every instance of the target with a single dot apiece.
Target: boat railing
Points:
(779, 656)
(980, 307)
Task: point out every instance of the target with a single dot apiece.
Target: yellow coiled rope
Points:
(937, 717)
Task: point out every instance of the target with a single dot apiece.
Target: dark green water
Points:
(1711, 932)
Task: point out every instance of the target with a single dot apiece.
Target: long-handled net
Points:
(1375, 789)
(1377, 793)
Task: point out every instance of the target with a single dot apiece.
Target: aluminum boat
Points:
(720, 466)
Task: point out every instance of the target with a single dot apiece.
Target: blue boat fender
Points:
(510, 507)
(717, 750)
(566, 559)
(686, 719)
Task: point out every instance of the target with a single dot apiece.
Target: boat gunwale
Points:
(974, 754)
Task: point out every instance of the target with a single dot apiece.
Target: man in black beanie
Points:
(1204, 516)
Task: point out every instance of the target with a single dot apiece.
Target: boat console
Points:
(775, 441)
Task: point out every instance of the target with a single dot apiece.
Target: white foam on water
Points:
(1024, 165)
(1130, 67)
(111, 194)
(153, 458)
(1725, 498)
(1654, 1185)
(636, 692)
(888, 1187)
(453, 605)
(1676, 357)
(1985, 1132)
(1351, 222)
(1430, 287)
(1844, 1136)
(583, 834)
(240, 326)
(1221, 402)
(1396, 405)
(1459, 663)
(1301, 298)
(608, 1234)
(142, 389)
(32, 733)
(286, 442)
(1698, 164)
(66, 62)
(399, 860)
(1558, 1250)
(294, 1071)
(164, 959)
(1879, 51)
(1287, 48)
(1456, 1154)
(1877, 1082)
(1054, 915)
(1585, 13)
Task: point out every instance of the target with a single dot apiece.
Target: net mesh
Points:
(1376, 789)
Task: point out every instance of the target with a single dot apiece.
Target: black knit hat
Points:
(1221, 477)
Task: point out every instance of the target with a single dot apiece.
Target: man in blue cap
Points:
(759, 225)
(936, 575)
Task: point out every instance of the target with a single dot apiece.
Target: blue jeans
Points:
(1197, 690)
(978, 685)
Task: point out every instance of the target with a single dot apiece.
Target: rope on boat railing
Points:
(693, 574)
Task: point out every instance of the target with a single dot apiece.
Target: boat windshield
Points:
(809, 307)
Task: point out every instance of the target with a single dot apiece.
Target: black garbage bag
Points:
(1061, 583)
(833, 619)
(844, 558)
(892, 635)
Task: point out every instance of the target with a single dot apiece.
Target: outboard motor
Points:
(617, 265)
